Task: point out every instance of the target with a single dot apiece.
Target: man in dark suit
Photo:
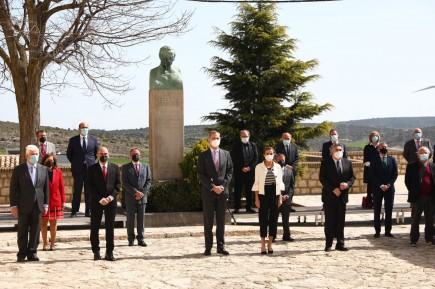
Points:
(383, 170)
(420, 182)
(136, 182)
(245, 157)
(81, 152)
(337, 177)
(411, 147)
(29, 195)
(215, 170)
(290, 150)
(104, 186)
(326, 147)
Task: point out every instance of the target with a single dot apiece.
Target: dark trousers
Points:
(138, 211)
(109, 223)
(285, 215)
(388, 198)
(369, 194)
(268, 211)
(243, 182)
(423, 204)
(80, 181)
(210, 206)
(29, 226)
(335, 213)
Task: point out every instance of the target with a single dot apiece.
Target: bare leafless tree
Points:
(42, 41)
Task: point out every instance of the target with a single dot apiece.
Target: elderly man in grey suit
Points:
(136, 182)
(45, 147)
(215, 170)
(29, 195)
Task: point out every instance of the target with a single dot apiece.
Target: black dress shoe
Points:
(21, 259)
(377, 235)
(97, 256)
(328, 249)
(88, 214)
(130, 243)
(222, 251)
(236, 211)
(109, 257)
(389, 235)
(32, 257)
(341, 248)
(250, 211)
(288, 239)
(292, 210)
(207, 252)
(142, 243)
(73, 215)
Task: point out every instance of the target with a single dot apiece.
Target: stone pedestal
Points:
(166, 133)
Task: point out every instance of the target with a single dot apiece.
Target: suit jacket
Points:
(133, 182)
(98, 188)
(383, 175)
(369, 153)
(410, 150)
(294, 155)
(50, 148)
(209, 177)
(288, 180)
(238, 159)
(78, 157)
(326, 150)
(22, 193)
(413, 180)
(331, 179)
(57, 189)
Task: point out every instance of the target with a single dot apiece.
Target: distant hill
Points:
(393, 122)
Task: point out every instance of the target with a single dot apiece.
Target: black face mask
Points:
(135, 157)
(49, 164)
(103, 159)
(383, 151)
(42, 139)
(282, 164)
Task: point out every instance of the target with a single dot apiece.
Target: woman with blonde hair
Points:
(56, 202)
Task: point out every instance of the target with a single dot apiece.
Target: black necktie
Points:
(338, 168)
(84, 144)
(287, 151)
(384, 162)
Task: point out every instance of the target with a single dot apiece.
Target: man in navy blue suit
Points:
(81, 152)
(383, 170)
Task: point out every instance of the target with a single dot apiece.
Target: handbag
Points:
(365, 203)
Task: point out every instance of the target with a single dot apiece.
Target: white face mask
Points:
(334, 137)
(338, 155)
(245, 139)
(215, 142)
(269, 158)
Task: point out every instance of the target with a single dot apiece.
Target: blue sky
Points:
(372, 55)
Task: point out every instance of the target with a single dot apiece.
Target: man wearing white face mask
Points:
(337, 177)
(411, 147)
(420, 182)
(245, 157)
(326, 147)
(215, 170)
(81, 152)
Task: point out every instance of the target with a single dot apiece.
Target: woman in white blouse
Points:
(267, 186)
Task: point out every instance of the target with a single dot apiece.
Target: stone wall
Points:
(309, 184)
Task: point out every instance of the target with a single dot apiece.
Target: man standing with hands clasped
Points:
(215, 170)
(29, 195)
(104, 186)
(337, 177)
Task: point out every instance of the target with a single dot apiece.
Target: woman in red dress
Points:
(56, 203)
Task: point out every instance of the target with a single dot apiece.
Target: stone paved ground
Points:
(173, 259)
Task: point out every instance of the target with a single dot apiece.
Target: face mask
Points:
(84, 131)
(103, 159)
(245, 139)
(338, 155)
(286, 142)
(215, 142)
(282, 164)
(383, 151)
(417, 135)
(375, 139)
(42, 139)
(34, 159)
(334, 137)
(49, 164)
(135, 157)
(269, 158)
(424, 157)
